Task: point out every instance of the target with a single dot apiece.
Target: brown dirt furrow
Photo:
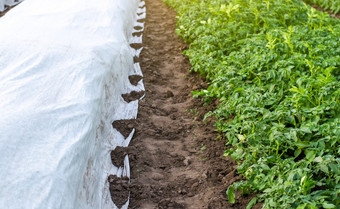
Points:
(176, 160)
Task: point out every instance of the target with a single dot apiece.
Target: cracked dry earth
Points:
(176, 160)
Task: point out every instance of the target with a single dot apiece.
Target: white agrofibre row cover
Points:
(63, 67)
(4, 3)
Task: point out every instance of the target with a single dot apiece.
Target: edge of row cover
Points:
(4, 4)
(129, 107)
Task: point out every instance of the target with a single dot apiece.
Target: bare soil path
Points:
(175, 159)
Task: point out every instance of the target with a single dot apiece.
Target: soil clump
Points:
(134, 79)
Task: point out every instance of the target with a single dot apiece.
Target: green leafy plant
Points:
(231, 194)
(333, 5)
(274, 67)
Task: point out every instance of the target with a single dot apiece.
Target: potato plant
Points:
(274, 67)
(333, 5)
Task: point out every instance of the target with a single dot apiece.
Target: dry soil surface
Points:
(176, 160)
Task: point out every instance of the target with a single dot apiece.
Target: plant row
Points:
(274, 66)
(333, 5)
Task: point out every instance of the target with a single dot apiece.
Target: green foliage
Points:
(231, 194)
(274, 66)
(251, 203)
(333, 5)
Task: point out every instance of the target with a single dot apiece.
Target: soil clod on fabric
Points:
(137, 34)
(118, 155)
(141, 20)
(136, 59)
(125, 127)
(119, 188)
(176, 159)
(132, 96)
(134, 79)
(138, 28)
(136, 46)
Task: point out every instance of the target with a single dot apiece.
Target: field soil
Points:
(176, 160)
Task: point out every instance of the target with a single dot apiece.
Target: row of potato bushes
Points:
(274, 67)
(333, 5)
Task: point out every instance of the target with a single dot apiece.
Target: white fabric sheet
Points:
(63, 67)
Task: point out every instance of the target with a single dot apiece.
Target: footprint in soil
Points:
(168, 204)
(167, 161)
(120, 190)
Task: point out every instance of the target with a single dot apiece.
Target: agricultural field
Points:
(333, 5)
(273, 66)
(101, 107)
